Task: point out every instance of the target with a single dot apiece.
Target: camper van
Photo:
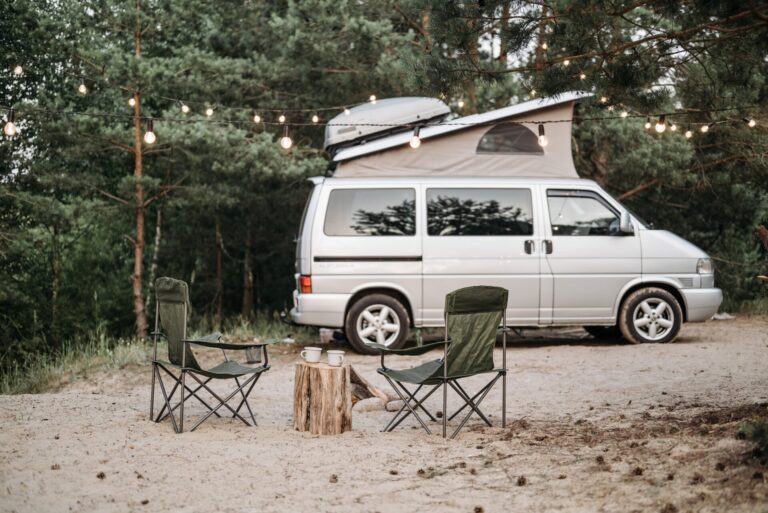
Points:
(381, 244)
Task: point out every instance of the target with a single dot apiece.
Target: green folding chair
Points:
(172, 300)
(472, 319)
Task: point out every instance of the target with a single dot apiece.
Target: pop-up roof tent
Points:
(503, 142)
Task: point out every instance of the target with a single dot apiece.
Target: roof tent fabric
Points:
(456, 150)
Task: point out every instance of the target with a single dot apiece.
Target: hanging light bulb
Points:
(610, 108)
(256, 118)
(149, 135)
(582, 76)
(281, 119)
(660, 125)
(750, 122)
(542, 136)
(415, 141)
(209, 112)
(132, 101)
(566, 63)
(688, 132)
(544, 46)
(346, 111)
(533, 93)
(672, 127)
(704, 129)
(184, 108)
(460, 104)
(315, 118)
(18, 70)
(82, 89)
(285, 140)
(624, 114)
(603, 99)
(647, 123)
(372, 98)
(10, 126)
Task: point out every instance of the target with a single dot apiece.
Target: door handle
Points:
(528, 247)
(547, 246)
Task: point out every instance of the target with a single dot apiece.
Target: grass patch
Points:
(44, 372)
(267, 326)
(757, 433)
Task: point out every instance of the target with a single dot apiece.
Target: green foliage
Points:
(757, 433)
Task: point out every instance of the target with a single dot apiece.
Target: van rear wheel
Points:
(650, 315)
(376, 318)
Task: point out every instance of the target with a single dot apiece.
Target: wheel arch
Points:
(385, 288)
(661, 283)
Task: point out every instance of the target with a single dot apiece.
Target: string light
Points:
(10, 126)
(603, 99)
(149, 135)
(372, 98)
(750, 122)
(673, 127)
(285, 140)
(256, 118)
(315, 119)
(132, 101)
(82, 89)
(647, 123)
(688, 133)
(460, 104)
(346, 111)
(281, 119)
(533, 93)
(566, 63)
(582, 76)
(542, 136)
(184, 108)
(544, 46)
(624, 114)
(704, 129)
(18, 70)
(415, 141)
(661, 125)
(209, 112)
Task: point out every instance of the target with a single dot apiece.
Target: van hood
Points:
(664, 244)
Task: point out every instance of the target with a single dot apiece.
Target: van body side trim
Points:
(368, 259)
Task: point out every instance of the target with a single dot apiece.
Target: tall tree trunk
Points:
(138, 243)
(155, 256)
(55, 283)
(219, 278)
(247, 277)
(504, 33)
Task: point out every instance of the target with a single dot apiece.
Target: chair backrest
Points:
(172, 306)
(473, 316)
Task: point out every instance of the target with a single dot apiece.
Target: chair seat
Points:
(230, 369)
(418, 375)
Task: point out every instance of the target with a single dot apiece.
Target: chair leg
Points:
(504, 399)
(167, 403)
(469, 401)
(445, 406)
(223, 402)
(397, 419)
(152, 393)
(476, 405)
(181, 409)
(193, 393)
(406, 404)
(245, 401)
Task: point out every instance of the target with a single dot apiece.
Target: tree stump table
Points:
(322, 399)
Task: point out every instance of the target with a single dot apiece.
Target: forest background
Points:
(90, 214)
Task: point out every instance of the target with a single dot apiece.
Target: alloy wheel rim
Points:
(653, 319)
(378, 324)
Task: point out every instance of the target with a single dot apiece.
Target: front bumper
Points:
(325, 310)
(702, 304)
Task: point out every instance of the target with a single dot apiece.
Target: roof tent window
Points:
(509, 139)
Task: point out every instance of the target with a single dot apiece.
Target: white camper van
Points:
(381, 244)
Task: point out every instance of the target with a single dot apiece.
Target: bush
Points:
(757, 433)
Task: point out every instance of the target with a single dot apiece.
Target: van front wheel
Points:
(650, 315)
(377, 318)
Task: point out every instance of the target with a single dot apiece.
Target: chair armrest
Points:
(160, 333)
(411, 351)
(212, 340)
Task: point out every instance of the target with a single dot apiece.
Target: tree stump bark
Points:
(322, 399)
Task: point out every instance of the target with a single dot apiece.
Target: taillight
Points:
(305, 284)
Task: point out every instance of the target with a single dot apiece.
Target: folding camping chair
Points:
(171, 306)
(472, 318)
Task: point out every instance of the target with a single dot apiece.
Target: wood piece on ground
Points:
(357, 379)
(762, 278)
(322, 399)
(370, 404)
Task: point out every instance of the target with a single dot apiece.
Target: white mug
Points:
(311, 354)
(335, 358)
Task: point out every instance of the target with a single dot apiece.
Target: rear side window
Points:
(371, 212)
(479, 212)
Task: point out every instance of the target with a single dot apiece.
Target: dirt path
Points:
(592, 427)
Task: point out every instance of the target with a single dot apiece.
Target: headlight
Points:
(705, 266)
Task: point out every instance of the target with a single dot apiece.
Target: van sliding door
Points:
(481, 236)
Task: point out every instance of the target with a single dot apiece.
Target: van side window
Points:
(509, 139)
(371, 212)
(580, 213)
(479, 212)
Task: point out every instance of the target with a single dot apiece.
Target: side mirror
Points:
(625, 224)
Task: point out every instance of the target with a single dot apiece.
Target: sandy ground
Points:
(591, 427)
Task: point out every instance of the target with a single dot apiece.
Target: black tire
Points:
(357, 323)
(650, 315)
(604, 332)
